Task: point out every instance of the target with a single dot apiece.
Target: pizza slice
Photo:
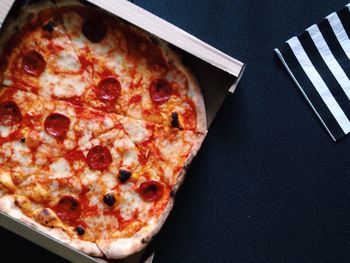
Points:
(133, 73)
(35, 131)
(37, 55)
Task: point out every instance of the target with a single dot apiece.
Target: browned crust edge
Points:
(7, 205)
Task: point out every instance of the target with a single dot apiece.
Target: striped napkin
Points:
(319, 62)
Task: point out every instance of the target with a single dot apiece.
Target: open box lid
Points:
(5, 7)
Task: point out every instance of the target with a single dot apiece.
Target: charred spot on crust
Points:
(186, 166)
(49, 27)
(23, 140)
(144, 241)
(172, 193)
(45, 212)
(154, 40)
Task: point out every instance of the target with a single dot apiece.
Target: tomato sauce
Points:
(75, 155)
(190, 116)
(141, 46)
(160, 205)
(87, 209)
(135, 99)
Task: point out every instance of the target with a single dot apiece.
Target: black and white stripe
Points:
(319, 62)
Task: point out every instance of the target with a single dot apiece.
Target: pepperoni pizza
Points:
(98, 122)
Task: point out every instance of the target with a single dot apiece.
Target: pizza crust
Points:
(123, 247)
(7, 205)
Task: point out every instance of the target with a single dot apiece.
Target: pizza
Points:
(98, 122)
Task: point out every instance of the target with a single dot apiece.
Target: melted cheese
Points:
(18, 152)
(89, 177)
(171, 149)
(72, 23)
(7, 82)
(54, 186)
(5, 130)
(108, 122)
(109, 179)
(130, 158)
(136, 130)
(68, 61)
(62, 86)
(60, 169)
(101, 225)
(132, 202)
(6, 181)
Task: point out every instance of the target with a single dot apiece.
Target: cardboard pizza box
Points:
(217, 73)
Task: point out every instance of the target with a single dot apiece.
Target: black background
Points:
(269, 184)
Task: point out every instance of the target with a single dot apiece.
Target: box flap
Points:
(172, 34)
(5, 7)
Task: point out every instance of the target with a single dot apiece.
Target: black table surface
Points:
(269, 184)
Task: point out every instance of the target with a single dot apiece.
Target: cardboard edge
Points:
(5, 7)
(171, 34)
(49, 243)
(232, 89)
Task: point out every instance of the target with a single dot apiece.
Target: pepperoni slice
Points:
(57, 125)
(94, 29)
(10, 114)
(150, 191)
(160, 90)
(33, 63)
(108, 89)
(99, 157)
(68, 209)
